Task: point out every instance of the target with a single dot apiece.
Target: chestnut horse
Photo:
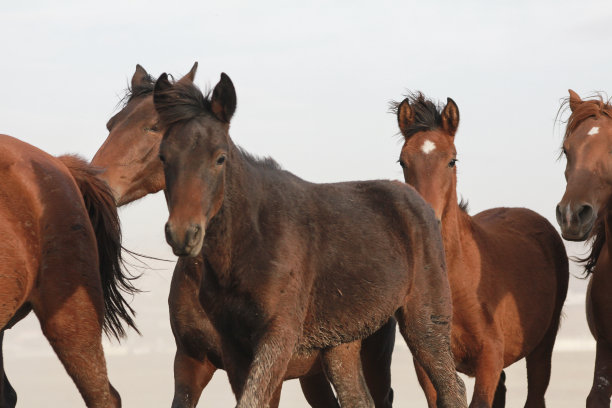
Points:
(133, 170)
(507, 267)
(61, 257)
(292, 268)
(584, 212)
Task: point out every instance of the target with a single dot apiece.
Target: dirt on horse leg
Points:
(267, 367)
(74, 330)
(426, 385)
(191, 376)
(318, 391)
(599, 397)
(343, 367)
(426, 329)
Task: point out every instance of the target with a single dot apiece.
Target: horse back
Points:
(353, 246)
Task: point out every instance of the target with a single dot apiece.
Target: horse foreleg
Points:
(343, 367)
(8, 396)
(318, 392)
(191, 376)
(268, 365)
(599, 397)
(426, 385)
(488, 371)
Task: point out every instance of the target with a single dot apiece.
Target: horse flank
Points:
(104, 219)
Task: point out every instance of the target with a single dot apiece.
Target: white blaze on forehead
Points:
(594, 130)
(428, 147)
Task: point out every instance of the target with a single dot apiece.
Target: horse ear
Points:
(159, 94)
(405, 116)
(190, 76)
(574, 100)
(139, 77)
(223, 100)
(450, 117)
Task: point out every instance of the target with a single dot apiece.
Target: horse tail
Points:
(102, 212)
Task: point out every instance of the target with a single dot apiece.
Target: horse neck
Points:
(455, 223)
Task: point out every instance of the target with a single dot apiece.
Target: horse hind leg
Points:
(499, 401)
(342, 365)
(72, 323)
(376, 354)
(539, 368)
(8, 396)
(429, 341)
(318, 392)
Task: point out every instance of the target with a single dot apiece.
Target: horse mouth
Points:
(577, 236)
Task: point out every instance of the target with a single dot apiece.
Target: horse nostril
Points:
(559, 216)
(585, 213)
(192, 234)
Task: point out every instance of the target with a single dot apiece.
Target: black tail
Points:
(105, 222)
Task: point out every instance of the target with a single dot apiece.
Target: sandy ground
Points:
(146, 381)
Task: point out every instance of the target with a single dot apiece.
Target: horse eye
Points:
(221, 160)
(452, 163)
(401, 163)
(162, 158)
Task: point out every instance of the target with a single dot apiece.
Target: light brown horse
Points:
(132, 169)
(507, 267)
(585, 212)
(60, 245)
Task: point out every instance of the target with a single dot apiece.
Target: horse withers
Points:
(292, 267)
(61, 257)
(584, 213)
(132, 169)
(507, 267)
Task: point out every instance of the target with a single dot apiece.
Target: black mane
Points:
(184, 101)
(180, 102)
(427, 113)
(265, 162)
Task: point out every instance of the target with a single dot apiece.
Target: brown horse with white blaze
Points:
(507, 267)
(132, 170)
(585, 212)
(293, 268)
(60, 245)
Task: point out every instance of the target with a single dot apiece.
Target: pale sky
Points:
(314, 80)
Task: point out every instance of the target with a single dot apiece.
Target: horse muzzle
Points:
(187, 241)
(576, 221)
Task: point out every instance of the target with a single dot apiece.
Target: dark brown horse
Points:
(507, 267)
(133, 169)
(61, 257)
(293, 268)
(585, 212)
